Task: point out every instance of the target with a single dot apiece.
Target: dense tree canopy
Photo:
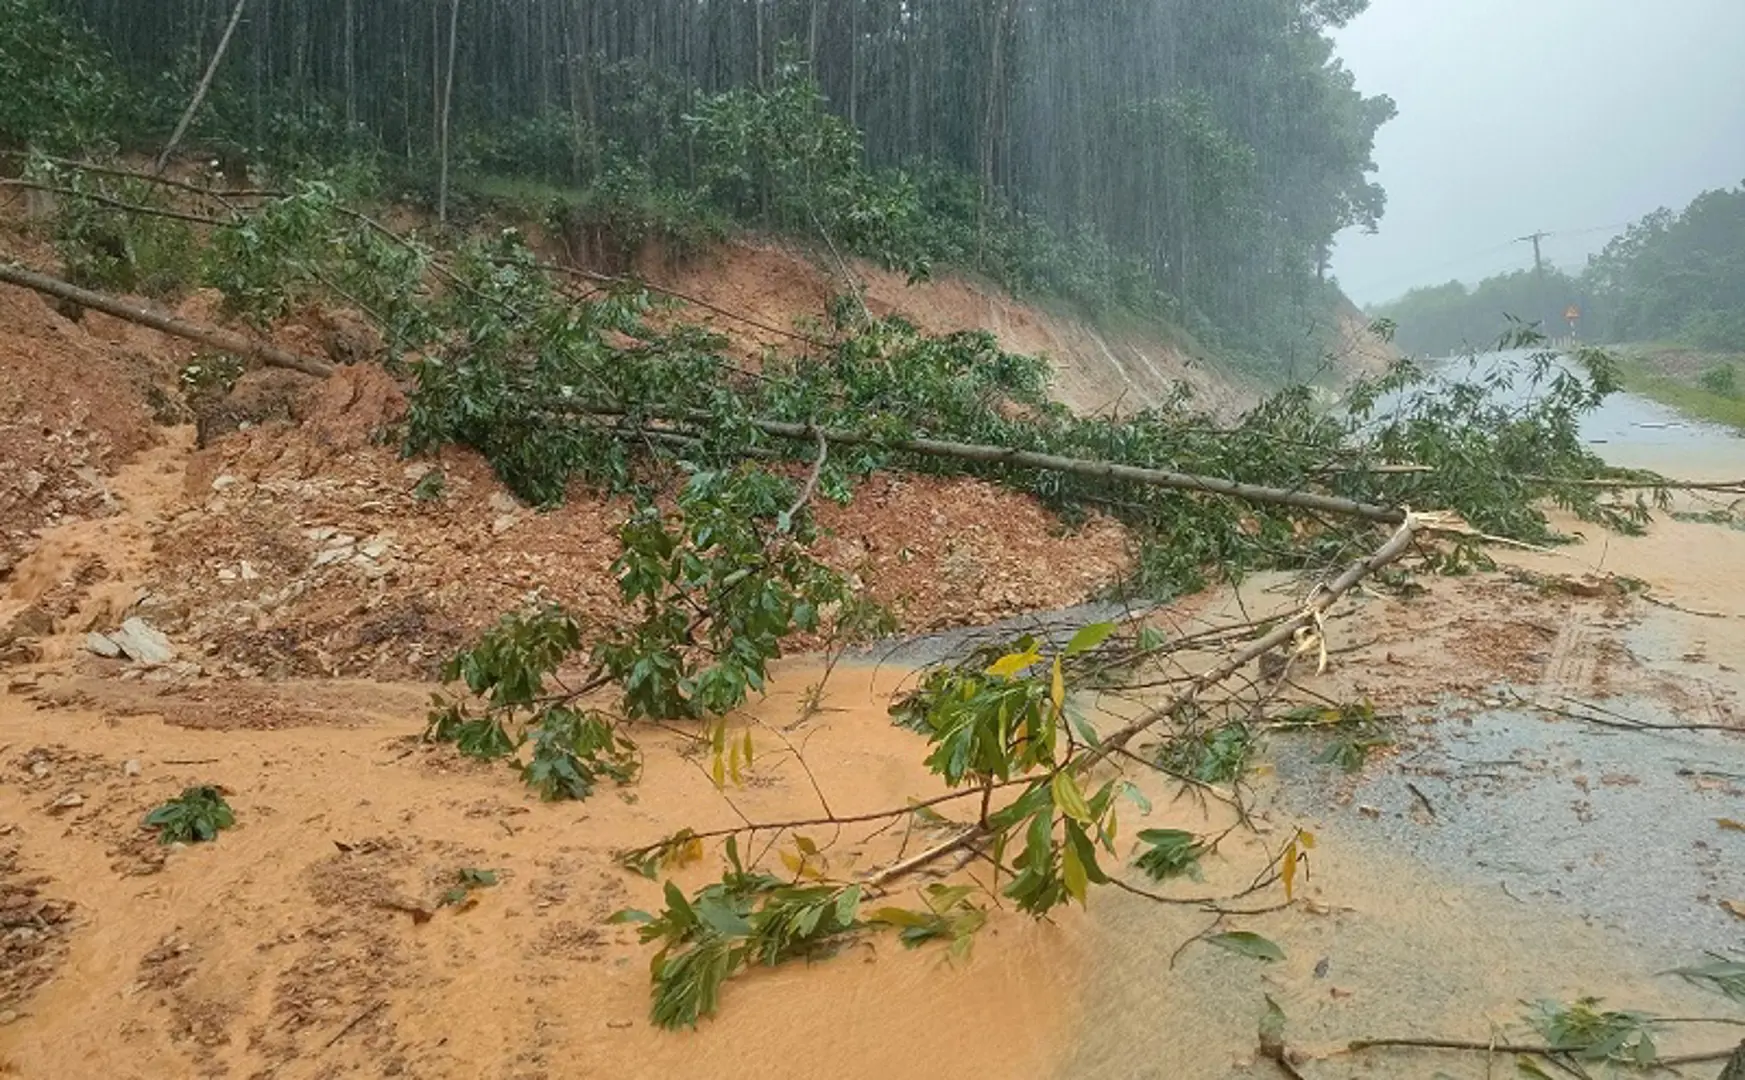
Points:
(1441, 320)
(1677, 277)
(1193, 155)
(1670, 277)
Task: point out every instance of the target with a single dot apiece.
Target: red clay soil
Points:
(305, 552)
(73, 406)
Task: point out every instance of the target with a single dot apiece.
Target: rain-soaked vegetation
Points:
(1189, 159)
(1187, 164)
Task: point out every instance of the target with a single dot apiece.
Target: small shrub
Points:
(195, 816)
(1721, 380)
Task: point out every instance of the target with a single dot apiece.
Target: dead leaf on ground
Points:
(1729, 823)
(1734, 907)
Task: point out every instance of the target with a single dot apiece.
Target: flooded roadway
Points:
(1500, 854)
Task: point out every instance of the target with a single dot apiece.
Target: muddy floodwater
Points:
(1499, 853)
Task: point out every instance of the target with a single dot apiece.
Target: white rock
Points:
(68, 801)
(332, 555)
(130, 767)
(226, 574)
(503, 523)
(102, 646)
(503, 502)
(224, 482)
(320, 533)
(143, 642)
(376, 548)
(247, 571)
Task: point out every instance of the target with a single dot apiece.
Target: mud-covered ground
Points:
(1494, 851)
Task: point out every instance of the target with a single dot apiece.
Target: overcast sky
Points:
(1522, 115)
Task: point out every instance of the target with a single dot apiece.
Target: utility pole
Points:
(1538, 272)
(1538, 260)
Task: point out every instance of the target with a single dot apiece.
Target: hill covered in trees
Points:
(1672, 277)
(1191, 159)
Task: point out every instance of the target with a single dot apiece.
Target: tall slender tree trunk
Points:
(201, 90)
(586, 115)
(435, 75)
(447, 107)
(350, 64)
(854, 65)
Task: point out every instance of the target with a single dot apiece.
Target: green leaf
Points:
(1012, 663)
(1072, 872)
(1245, 943)
(1272, 1024)
(1170, 853)
(717, 916)
(1069, 798)
(630, 915)
(1089, 637)
(1721, 975)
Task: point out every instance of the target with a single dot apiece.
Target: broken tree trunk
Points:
(1397, 545)
(223, 340)
(201, 90)
(1097, 470)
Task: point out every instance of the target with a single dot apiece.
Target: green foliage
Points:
(57, 88)
(747, 918)
(1453, 319)
(1215, 755)
(1170, 853)
(712, 590)
(552, 391)
(1676, 276)
(466, 880)
(1582, 1030)
(1722, 380)
(108, 249)
(715, 593)
(950, 916)
(1011, 719)
(1249, 944)
(1719, 974)
(508, 670)
(307, 245)
(430, 487)
(196, 815)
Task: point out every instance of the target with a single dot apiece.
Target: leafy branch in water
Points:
(747, 918)
(715, 589)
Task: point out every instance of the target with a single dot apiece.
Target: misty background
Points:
(1570, 116)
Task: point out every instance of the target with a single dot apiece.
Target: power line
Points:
(1423, 275)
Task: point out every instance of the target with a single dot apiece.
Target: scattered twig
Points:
(1532, 1049)
(355, 1021)
(1618, 721)
(1422, 798)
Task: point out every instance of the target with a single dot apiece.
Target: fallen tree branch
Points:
(1396, 546)
(1619, 721)
(223, 340)
(1325, 597)
(201, 90)
(1534, 1049)
(116, 204)
(1030, 459)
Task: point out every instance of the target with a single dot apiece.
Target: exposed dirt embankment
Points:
(1095, 371)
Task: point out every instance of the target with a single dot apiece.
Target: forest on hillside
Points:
(1188, 159)
(1671, 277)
